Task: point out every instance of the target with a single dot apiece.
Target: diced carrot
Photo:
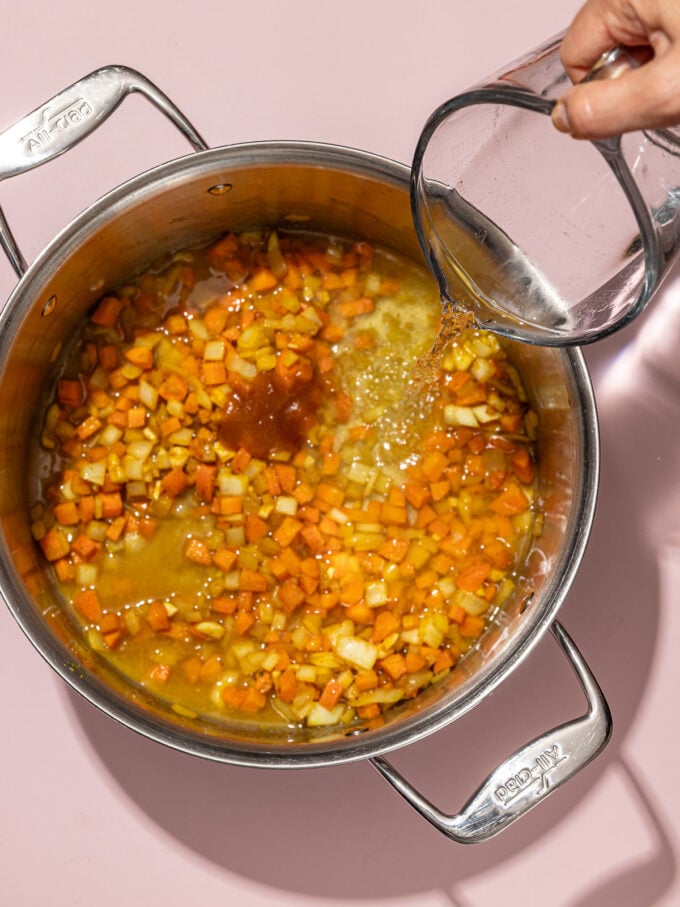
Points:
(229, 505)
(523, 465)
(314, 538)
(174, 387)
(330, 494)
(85, 547)
(369, 711)
(174, 482)
(385, 623)
(366, 680)
(252, 581)
(111, 505)
(244, 621)
(192, 668)
(63, 569)
(107, 312)
(224, 558)
(286, 685)
(394, 664)
(472, 626)
(272, 479)
(343, 407)
(215, 319)
(198, 552)
(108, 357)
(116, 529)
(86, 508)
(511, 422)
(158, 617)
(204, 481)
(70, 394)
(263, 280)
(395, 550)
(303, 492)
(441, 563)
(141, 356)
(175, 324)
(361, 613)
(351, 589)
(112, 639)
(331, 694)
(256, 528)
(472, 577)
(109, 621)
(169, 425)
(333, 333)
(328, 527)
(353, 307)
(511, 501)
(440, 489)
(457, 614)
(433, 465)
(391, 515)
(67, 513)
(234, 696)
(359, 432)
(425, 516)
(240, 460)
(136, 417)
(160, 673)
(286, 475)
(88, 427)
(364, 340)
(211, 669)
(214, 373)
(414, 662)
(287, 531)
(498, 554)
(223, 604)
(426, 579)
(147, 527)
(443, 662)
(291, 595)
(225, 247)
(87, 602)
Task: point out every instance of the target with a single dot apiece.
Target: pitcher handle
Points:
(528, 776)
(66, 119)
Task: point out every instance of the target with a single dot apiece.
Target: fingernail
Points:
(560, 118)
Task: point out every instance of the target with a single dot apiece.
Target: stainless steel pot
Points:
(190, 200)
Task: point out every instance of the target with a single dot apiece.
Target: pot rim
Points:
(182, 737)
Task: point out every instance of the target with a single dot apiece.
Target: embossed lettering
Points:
(51, 123)
(534, 778)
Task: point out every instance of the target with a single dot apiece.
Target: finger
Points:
(644, 98)
(601, 25)
(589, 37)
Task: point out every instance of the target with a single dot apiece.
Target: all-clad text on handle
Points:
(530, 774)
(75, 112)
(66, 119)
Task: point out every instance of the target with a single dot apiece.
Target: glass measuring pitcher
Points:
(545, 238)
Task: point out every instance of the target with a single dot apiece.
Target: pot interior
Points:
(189, 201)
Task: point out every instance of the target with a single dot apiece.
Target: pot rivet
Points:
(49, 306)
(220, 189)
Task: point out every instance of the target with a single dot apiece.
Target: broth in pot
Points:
(273, 486)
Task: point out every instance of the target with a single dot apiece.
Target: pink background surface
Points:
(93, 814)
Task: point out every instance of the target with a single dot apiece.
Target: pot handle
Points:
(528, 776)
(66, 119)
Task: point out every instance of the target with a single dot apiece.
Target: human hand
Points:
(644, 97)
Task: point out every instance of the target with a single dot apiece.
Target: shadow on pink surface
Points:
(341, 832)
(641, 884)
